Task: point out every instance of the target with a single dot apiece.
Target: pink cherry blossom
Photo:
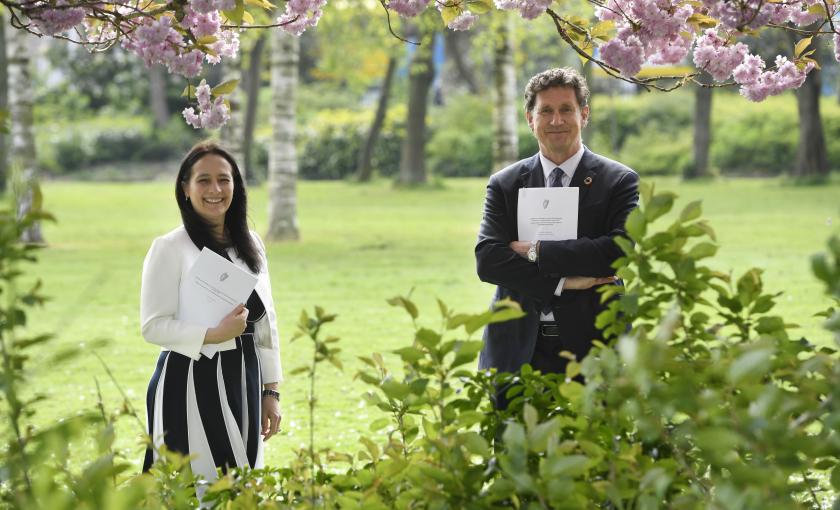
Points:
(211, 114)
(208, 6)
(713, 55)
(464, 21)
(300, 15)
(55, 20)
(226, 46)
(201, 24)
(408, 8)
(528, 9)
(625, 52)
(758, 86)
(749, 70)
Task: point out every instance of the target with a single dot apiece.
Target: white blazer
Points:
(169, 260)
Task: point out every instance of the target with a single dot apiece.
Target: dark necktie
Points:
(555, 178)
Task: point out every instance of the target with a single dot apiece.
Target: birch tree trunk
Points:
(421, 75)
(23, 160)
(157, 95)
(702, 129)
(282, 158)
(505, 135)
(4, 105)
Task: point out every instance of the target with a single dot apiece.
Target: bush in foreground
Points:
(701, 400)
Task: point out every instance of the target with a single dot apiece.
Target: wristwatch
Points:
(532, 252)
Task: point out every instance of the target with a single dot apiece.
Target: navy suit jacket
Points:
(604, 204)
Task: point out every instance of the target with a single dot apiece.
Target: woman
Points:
(214, 408)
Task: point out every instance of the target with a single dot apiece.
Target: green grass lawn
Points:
(361, 244)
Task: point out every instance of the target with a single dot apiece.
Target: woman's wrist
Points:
(271, 393)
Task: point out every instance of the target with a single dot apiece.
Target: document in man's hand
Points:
(547, 214)
(213, 288)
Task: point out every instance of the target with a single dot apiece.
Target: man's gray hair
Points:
(557, 77)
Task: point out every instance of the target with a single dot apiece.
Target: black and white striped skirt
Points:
(210, 408)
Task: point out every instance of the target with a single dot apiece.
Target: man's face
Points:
(556, 121)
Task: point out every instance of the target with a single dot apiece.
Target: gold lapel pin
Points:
(588, 181)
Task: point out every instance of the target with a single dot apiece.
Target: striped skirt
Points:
(210, 408)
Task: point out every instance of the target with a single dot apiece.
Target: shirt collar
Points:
(568, 167)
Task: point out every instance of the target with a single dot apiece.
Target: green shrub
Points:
(461, 141)
(329, 146)
(761, 142)
(69, 151)
(657, 152)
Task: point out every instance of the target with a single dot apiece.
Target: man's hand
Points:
(521, 248)
(586, 282)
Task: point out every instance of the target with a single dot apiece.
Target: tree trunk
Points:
(589, 129)
(702, 129)
(282, 158)
(421, 75)
(231, 132)
(505, 135)
(811, 154)
(157, 95)
(23, 159)
(4, 106)
(457, 51)
(364, 168)
(252, 96)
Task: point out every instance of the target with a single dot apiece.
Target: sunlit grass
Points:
(361, 244)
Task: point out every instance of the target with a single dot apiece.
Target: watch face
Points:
(532, 255)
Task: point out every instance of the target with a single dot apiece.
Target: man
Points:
(554, 281)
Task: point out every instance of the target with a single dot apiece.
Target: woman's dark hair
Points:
(236, 221)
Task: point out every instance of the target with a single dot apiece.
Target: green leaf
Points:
(801, 46)
(692, 211)
(751, 364)
(225, 88)
(475, 444)
(529, 416)
(450, 12)
(395, 390)
(379, 424)
(636, 225)
(569, 465)
(659, 205)
(480, 6)
(409, 354)
(835, 477)
(235, 15)
(466, 351)
(702, 250)
(427, 338)
(409, 306)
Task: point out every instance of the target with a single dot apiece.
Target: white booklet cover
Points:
(547, 214)
(213, 288)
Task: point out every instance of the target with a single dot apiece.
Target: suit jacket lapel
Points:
(532, 174)
(583, 171)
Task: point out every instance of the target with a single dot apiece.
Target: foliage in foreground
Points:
(702, 400)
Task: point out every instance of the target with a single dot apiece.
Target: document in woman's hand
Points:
(213, 288)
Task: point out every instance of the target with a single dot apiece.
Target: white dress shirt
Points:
(568, 167)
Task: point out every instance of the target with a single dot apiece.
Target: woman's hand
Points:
(231, 326)
(586, 282)
(270, 414)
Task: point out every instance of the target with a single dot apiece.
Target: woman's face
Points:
(210, 188)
